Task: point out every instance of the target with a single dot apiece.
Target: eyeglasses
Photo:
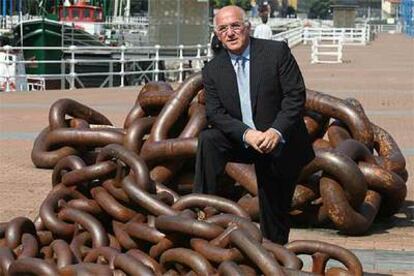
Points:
(236, 27)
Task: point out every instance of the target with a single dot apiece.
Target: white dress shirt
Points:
(244, 90)
(263, 31)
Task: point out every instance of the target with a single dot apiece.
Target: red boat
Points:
(80, 12)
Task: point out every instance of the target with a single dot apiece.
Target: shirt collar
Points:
(245, 54)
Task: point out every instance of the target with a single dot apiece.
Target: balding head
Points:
(232, 28)
(224, 11)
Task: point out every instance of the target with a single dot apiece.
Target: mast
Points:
(128, 9)
(115, 8)
(4, 8)
(56, 7)
(110, 8)
(104, 7)
(21, 23)
(121, 3)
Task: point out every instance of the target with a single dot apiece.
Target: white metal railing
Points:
(293, 37)
(9, 22)
(123, 24)
(126, 62)
(318, 23)
(349, 36)
(187, 59)
(326, 50)
(386, 28)
(276, 23)
(127, 19)
(36, 84)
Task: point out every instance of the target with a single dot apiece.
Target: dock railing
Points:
(326, 50)
(127, 19)
(349, 36)
(9, 22)
(139, 64)
(386, 28)
(293, 37)
(127, 65)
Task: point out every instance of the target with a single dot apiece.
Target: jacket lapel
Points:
(255, 71)
(229, 80)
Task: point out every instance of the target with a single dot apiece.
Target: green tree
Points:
(320, 9)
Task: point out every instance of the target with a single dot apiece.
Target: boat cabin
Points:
(80, 12)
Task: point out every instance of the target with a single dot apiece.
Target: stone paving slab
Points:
(380, 76)
(389, 262)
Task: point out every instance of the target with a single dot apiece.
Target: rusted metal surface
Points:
(119, 200)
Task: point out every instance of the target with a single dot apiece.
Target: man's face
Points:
(232, 31)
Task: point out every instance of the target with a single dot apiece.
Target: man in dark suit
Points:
(255, 98)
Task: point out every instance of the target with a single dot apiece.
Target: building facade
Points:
(390, 9)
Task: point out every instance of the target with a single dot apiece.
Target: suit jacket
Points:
(277, 94)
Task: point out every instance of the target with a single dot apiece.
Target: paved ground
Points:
(380, 76)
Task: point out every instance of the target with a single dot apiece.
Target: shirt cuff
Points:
(282, 140)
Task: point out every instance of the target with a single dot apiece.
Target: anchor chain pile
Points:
(121, 198)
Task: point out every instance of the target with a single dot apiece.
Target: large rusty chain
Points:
(121, 198)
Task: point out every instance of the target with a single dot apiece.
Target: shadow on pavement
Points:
(404, 218)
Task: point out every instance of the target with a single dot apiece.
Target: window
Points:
(75, 13)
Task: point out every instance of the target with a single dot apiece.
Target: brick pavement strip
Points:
(379, 75)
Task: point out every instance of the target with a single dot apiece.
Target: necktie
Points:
(243, 83)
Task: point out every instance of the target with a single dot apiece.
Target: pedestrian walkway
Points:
(380, 76)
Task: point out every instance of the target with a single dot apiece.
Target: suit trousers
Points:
(276, 183)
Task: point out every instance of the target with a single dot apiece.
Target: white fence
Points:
(318, 23)
(123, 63)
(386, 28)
(326, 50)
(123, 25)
(293, 37)
(132, 65)
(277, 23)
(127, 19)
(349, 36)
(9, 22)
